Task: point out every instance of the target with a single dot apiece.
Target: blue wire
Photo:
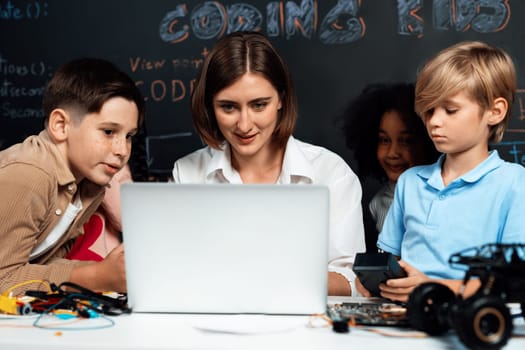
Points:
(37, 324)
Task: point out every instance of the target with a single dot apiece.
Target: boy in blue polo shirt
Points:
(470, 196)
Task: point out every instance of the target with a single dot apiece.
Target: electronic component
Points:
(370, 313)
(14, 305)
(71, 296)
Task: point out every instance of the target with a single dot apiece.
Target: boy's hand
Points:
(107, 275)
(399, 289)
(115, 270)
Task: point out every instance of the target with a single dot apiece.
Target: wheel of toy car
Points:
(484, 322)
(427, 307)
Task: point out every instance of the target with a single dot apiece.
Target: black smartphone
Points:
(375, 268)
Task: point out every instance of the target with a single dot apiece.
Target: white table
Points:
(185, 331)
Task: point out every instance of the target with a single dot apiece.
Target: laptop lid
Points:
(226, 248)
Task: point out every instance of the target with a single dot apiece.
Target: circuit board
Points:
(370, 313)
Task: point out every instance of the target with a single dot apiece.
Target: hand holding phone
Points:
(373, 269)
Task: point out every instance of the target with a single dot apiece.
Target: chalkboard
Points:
(333, 47)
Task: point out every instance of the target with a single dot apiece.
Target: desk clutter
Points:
(66, 309)
(65, 302)
(485, 320)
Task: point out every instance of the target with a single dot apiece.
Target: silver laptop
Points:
(226, 248)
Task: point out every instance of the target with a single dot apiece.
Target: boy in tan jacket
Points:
(51, 183)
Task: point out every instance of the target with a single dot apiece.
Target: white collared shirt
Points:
(303, 163)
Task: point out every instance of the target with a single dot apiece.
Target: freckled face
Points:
(100, 144)
(394, 145)
(247, 115)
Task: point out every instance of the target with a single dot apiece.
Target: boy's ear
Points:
(498, 111)
(58, 124)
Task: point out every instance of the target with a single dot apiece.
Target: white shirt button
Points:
(58, 212)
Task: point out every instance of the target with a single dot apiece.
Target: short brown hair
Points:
(85, 84)
(483, 71)
(230, 58)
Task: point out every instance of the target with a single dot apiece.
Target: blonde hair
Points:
(482, 71)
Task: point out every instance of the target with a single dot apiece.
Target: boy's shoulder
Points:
(497, 168)
(36, 152)
(30, 150)
(513, 170)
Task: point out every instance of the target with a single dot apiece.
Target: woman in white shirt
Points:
(244, 107)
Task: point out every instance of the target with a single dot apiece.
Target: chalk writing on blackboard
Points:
(342, 24)
(30, 10)
(11, 111)
(483, 16)
(159, 90)
(152, 71)
(37, 68)
(19, 83)
(513, 151)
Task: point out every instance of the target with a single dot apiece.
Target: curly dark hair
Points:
(138, 162)
(362, 117)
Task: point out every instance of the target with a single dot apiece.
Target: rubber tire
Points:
(426, 308)
(484, 323)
